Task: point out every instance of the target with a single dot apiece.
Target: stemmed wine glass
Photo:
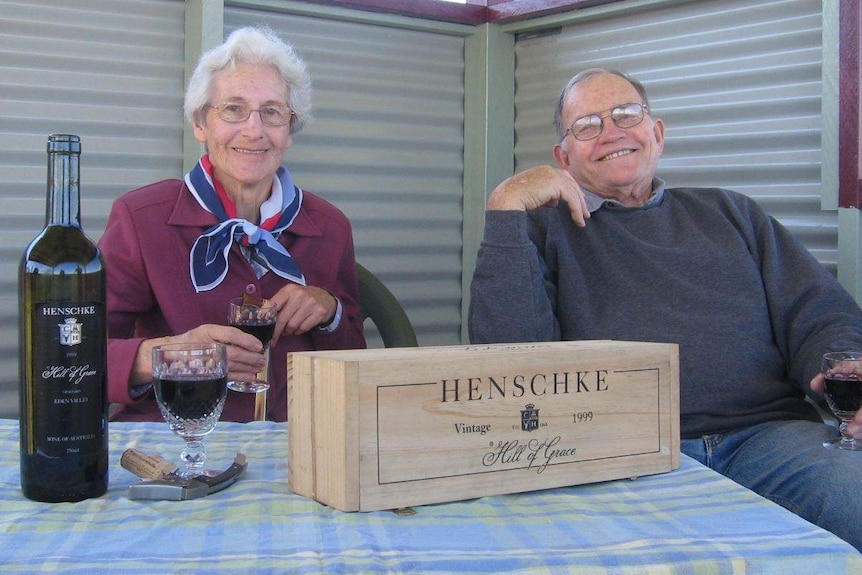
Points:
(190, 381)
(843, 381)
(257, 318)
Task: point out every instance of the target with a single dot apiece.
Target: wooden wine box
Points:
(390, 428)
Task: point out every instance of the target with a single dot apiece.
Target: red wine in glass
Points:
(191, 399)
(842, 372)
(262, 331)
(190, 382)
(257, 318)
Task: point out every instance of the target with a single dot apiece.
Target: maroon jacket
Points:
(146, 247)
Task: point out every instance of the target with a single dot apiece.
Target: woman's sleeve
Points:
(349, 333)
(129, 296)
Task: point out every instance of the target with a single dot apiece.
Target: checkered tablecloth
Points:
(689, 521)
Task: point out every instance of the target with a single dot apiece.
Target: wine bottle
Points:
(63, 346)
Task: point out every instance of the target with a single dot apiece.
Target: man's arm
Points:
(512, 294)
(510, 298)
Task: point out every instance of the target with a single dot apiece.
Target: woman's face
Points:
(246, 154)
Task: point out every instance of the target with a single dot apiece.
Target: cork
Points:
(146, 466)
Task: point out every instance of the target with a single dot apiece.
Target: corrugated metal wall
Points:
(387, 149)
(738, 83)
(110, 71)
(387, 145)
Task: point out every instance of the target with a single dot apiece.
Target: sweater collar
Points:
(595, 202)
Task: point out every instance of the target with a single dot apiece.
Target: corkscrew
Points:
(161, 481)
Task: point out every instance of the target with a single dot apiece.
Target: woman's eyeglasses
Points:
(235, 113)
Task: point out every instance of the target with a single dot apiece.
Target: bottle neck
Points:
(64, 207)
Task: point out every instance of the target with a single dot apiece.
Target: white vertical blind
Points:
(738, 83)
(110, 71)
(386, 147)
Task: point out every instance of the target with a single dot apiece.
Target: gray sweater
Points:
(751, 309)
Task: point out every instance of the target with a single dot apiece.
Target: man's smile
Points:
(614, 155)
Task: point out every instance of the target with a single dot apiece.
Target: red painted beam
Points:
(500, 11)
(473, 12)
(849, 185)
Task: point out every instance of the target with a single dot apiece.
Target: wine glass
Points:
(190, 381)
(258, 319)
(843, 381)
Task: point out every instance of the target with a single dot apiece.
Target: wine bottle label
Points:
(70, 371)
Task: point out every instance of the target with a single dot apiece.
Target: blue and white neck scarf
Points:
(209, 255)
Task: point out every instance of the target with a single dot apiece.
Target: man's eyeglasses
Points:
(625, 116)
(235, 113)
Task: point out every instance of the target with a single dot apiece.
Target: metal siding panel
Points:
(737, 82)
(110, 71)
(386, 147)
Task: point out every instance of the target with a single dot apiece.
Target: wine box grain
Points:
(402, 427)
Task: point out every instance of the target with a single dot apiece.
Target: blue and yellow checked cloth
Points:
(690, 521)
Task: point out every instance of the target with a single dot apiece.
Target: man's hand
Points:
(855, 427)
(540, 186)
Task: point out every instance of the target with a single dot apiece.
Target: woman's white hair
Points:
(252, 45)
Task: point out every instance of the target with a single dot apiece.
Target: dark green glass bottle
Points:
(63, 346)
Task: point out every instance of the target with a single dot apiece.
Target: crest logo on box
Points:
(529, 418)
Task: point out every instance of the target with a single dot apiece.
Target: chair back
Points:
(381, 306)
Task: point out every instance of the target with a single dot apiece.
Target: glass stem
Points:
(194, 454)
(846, 438)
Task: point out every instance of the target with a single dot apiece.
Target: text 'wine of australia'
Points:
(63, 346)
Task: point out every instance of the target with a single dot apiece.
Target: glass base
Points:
(845, 445)
(193, 473)
(248, 386)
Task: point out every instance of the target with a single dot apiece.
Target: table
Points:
(690, 521)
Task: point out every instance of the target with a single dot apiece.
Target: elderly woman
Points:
(177, 251)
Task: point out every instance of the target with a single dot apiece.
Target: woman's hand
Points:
(244, 351)
(301, 308)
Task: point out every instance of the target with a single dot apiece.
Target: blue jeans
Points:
(785, 461)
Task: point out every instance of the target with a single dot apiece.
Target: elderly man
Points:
(598, 248)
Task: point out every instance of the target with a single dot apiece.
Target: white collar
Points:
(594, 201)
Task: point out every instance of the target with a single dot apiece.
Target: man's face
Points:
(620, 163)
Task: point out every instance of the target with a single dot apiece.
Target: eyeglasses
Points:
(235, 113)
(625, 116)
